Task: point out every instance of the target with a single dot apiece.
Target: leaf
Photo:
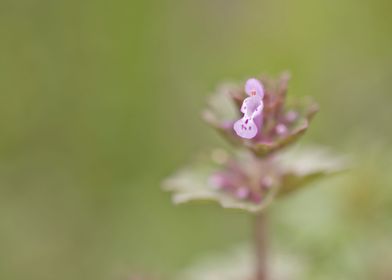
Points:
(295, 168)
(221, 111)
(192, 184)
(302, 166)
(262, 149)
(238, 264)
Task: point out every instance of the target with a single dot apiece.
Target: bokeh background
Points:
(100, 100)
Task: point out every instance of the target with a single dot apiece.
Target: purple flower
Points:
(257, 116)
(250, 124)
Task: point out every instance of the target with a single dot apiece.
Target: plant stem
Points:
(260, 246)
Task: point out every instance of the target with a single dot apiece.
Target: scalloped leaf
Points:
(303, 166)
(297, 168)
(221, 110)
(262, 149)
(192, 184)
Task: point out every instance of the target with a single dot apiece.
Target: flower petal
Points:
(250, 124)
(254, 86)
(246, 128)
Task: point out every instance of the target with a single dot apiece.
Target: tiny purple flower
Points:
(250, 124)
(257, 117)
(281, 129)
(291, 116)
(242, 192)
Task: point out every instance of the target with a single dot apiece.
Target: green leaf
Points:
(303, 166)
(295, 169)
(192, 184)
(238, 264)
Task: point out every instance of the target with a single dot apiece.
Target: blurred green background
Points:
(100, 100)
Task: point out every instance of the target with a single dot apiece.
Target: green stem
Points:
(260, 246)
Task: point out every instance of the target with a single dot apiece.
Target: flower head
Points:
(257, 115)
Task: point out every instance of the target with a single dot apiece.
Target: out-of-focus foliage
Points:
(238, 263)
(100, 100)
(288, 171)
(340, 236)
(195, 183)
